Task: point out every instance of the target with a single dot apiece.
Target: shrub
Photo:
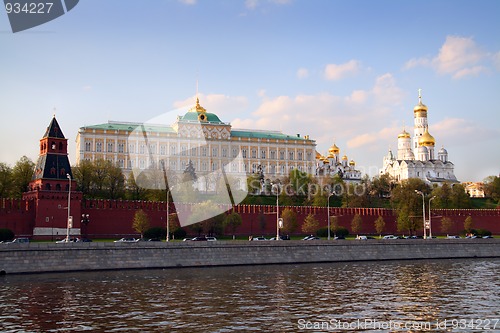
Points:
(155, 232)
(179, 233)
(341, 231)
(6, 234)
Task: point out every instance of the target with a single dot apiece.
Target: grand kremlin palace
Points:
(200, 137)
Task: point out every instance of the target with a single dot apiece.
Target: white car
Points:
(126, 240)
(211, 239)
(390, 237)
(71, 240)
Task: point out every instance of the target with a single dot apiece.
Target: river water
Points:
(392, 296)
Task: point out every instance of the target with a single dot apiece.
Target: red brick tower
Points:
(51, 185)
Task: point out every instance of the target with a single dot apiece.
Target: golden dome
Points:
(334, 149)
(352, 163)
(404, 134)
(330, 155)
(344, 158)
(326, 161)
(426, 139)
(420, 107)
(318, 155)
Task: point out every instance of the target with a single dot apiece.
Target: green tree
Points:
(6, 181)
(409, 204)
(459, 198)
(356, 223)
(380, 225)
(22, 173)
(83, 175)
(334, 225)
(468, 224)
(289, 220)
(140, 222)
(233, 220)
(134, 191)
(210, 217)
(310, 224)
(492, 187)
(381, 185)
(115, 182)
(446, 224)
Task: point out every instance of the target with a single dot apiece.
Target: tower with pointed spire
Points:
(415, 157)
(51, 184)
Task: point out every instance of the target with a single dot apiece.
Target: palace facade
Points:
(200, 138)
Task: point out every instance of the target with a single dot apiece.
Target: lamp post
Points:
(85, 220)
(168, 215)
(430, 225)
(69, 207)
(423, 210)
(328, 209)
(277, 211)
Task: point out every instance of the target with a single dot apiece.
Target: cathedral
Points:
(416, 158)
(332, 164)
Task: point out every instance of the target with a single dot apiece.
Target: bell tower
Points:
(53, 188)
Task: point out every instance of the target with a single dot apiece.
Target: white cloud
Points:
(252, 4)
(337, 72)
(459, 131)
(459, 57)
(302, 73)
(188, 2)
(496, 60)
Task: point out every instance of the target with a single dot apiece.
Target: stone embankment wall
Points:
(51, 257)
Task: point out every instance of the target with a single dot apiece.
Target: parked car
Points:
(211, 239)
(71, 240)
(311, 237)
(452, 237)
(362, 237)
(259, 238)
(200, 239)
(390, 237)
(126, 240)
(488, 236)
(21, 240)
(339, 237)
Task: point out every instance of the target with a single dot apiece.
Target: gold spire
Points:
(198, 107)
(420, 107)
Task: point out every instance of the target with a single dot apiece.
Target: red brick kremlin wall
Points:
(113, 218)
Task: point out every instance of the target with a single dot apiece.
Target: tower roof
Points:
(54, 130)
(420, 107)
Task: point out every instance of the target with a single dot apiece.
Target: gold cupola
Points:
(420, 110)
(344, 158)
(334, 149)
(404, 134)
(426, 139)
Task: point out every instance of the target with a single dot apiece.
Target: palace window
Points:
(273, 155)
(263, 154)
(88, 146)
(98, 147)
(110, 147)
(299, 156)
(163, 150)
(282, 155)
(244, 153)
(215, 151)
(224, 152)
(254, 153)
(290, 155)
(131, 148)
(121, 147)
(234, 152)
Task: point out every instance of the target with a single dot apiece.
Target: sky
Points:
(343, 72)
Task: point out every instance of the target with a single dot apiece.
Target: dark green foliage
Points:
(155, 232)
(340, 232)
(6, 234)
(179, 233)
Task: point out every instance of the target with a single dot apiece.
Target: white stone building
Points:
(416, 157)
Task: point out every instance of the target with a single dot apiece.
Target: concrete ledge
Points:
(51, 257)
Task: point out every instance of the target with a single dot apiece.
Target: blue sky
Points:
(340, 71)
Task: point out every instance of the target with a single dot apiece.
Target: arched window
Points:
(47, 187)
(58, 187)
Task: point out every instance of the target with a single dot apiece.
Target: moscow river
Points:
(391, 296)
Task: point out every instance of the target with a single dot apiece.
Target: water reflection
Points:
(251, 298)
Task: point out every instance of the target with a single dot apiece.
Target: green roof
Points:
(265, 135)
(125, 126)
(191, 116)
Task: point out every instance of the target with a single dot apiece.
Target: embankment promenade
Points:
(51, 257)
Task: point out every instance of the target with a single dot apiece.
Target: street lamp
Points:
(168, 215)
(329, 195)
(85, 220)
(423, 210)
(277, 211)
(430, 225)
(69, 207)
